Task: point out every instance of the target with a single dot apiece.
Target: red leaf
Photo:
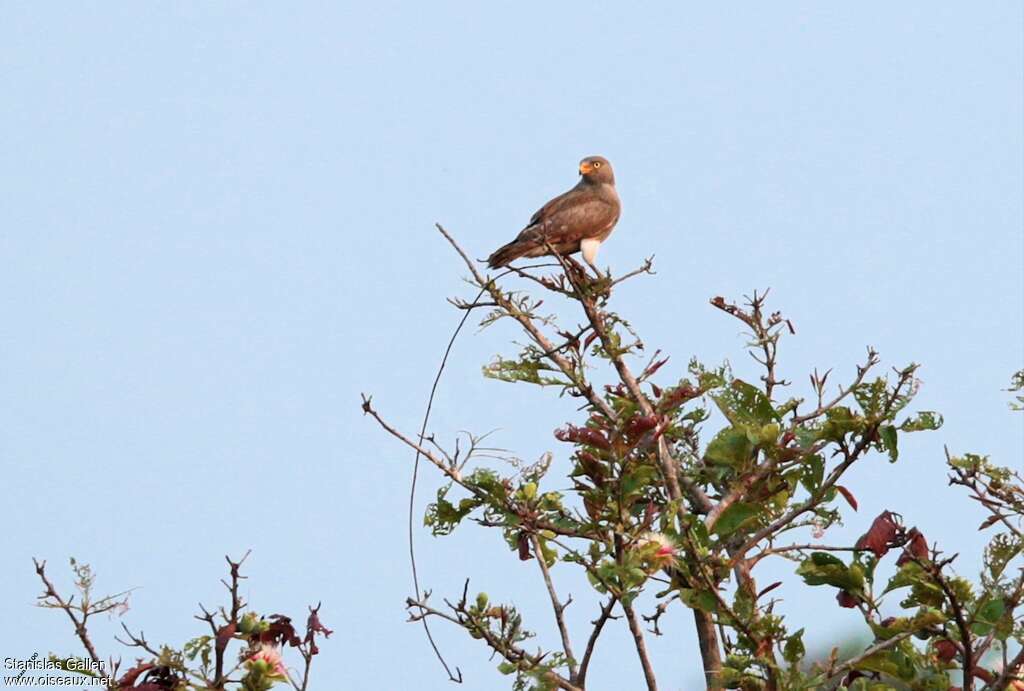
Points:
(314, 627)
(848, 496)
(676, 396)
(583, 435)
(591, 467)
(846, 600)
(280, 632)
(768, 589)
(523, 542)
(655, 366)
(879, 536)
(128, 680)
(988, 522)
(639, 424)
(593, 507)
(945, 650)
(617, 390)
(154, 678)
(916, 547)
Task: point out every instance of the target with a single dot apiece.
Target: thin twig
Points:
(457, 675)
(602, 619)
(557, 606)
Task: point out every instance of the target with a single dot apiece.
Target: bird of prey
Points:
(577, 221)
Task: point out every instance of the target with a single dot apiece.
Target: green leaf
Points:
(879, 662)
(742, 403)
(735, 517)
(1016, 385)
(700, 535)
(442, 516)
(731, 447)
(530, 369)
(807, 435)
(825, 559)
(699, 599)
(637, 480)
(887, 433)
(813, 473)
(927, 617)
(865, 684)
(988, 615)
(793, 651)
(924, 420)
(871, 397)
(839, 422)
(908, 575)
(822, 568)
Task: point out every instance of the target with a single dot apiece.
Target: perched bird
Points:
(577, 221)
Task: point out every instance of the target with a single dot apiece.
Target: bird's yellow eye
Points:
(597, 164)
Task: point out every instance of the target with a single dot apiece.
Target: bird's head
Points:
(597, 169)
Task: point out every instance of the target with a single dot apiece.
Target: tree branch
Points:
(641, 646)
(539, 338)
(558, 608)
(50, 593)
(602, 619)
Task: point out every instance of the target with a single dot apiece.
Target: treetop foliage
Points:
(663, 507)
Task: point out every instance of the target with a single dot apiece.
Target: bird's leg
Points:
(572, 265)
(600, 275)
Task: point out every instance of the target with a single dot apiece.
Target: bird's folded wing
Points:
(583, 218)
(559, 202)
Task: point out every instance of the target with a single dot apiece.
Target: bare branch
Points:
(602, 619)
(557, 606)
(641, 646)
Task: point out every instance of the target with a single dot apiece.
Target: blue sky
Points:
(217, 232)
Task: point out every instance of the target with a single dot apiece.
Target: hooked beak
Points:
(585, 168)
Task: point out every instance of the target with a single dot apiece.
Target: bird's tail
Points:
(509, 253)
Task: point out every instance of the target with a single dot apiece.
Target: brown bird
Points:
(577, 221)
